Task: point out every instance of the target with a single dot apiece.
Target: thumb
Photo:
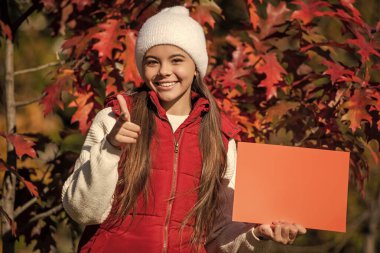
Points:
(124, 112)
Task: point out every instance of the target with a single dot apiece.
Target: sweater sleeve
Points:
(228, 236)
(87, 194)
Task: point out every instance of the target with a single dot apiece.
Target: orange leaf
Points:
(277, 111)
(108, 39)
(253, 14)
(53, 91)
(276, 15)
(357, 111)
(338, 73)
(366, 48)
(6, 30)
(309, 10)
(31, 187)
(81, 115)
(130, 72)
(21, 145)
(273, 71)
(202, 13)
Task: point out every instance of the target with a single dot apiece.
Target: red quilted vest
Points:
(175, 174)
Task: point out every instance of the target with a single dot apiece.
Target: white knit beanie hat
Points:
(173, 26)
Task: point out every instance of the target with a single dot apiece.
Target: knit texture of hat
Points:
(173, 26)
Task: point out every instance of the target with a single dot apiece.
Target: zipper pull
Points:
(176, 146)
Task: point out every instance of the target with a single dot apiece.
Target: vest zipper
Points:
(171, 199)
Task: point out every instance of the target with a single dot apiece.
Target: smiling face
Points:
(169, 71)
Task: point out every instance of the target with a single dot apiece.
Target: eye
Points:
(151, 62)
(177, 60)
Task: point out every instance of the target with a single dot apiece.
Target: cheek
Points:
(186, 73)
(148, 74)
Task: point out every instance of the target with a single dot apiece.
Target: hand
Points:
(124, 131)
(282, 232)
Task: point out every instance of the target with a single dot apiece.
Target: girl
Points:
(156, 172)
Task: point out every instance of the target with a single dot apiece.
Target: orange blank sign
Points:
(301, 185)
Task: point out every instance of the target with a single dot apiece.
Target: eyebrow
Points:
(172, 56)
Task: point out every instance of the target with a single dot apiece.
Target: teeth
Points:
(167, 84)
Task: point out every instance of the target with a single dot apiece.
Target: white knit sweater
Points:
(88, 193)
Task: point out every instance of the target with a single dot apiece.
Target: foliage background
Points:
(288, 74)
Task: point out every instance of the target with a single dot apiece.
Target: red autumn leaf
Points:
(350, 5)
(80, 43)
(338, 72)
(356, 109)
(130, 72)
(378, 27)
(276, 15)
(6, 30)
(277, 111)
(309, 10)
(84, 109)
(53, 91)
(253, 14)
(31, 187)
(273, 71)
(229, 75)
(22, 146)
(108, 39)
(81, 115)
(81, 4)
(366, 48)
(202, 13)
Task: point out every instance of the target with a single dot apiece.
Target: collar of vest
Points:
(200, 106)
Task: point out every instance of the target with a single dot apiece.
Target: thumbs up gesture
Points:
(124, 131)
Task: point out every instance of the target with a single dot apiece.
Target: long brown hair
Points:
(135, 164)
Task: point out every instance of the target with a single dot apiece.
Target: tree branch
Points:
(19, 210)
(35, 6)
(47, 65)
(30, 101)
(47, 213)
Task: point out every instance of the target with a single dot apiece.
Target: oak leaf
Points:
(22, 146)
(53, 91)
(202, 13)
(84, 109)
(356, 109)
(108, 39)
(309, 10)
(273, 71)
(130, 72)
(366, 48)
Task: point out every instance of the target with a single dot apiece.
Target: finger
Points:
(265, 231)
(125, 140)
(285, 233)
(124, 112)
(131, 127)
(128, 133)
(293, 231)
(277, 233)
(301, 229)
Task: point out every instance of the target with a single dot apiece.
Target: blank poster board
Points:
(301, 185)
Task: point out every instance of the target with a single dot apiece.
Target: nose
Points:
(165, 69)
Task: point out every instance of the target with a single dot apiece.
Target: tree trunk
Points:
(9, 185)
(370, 243)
